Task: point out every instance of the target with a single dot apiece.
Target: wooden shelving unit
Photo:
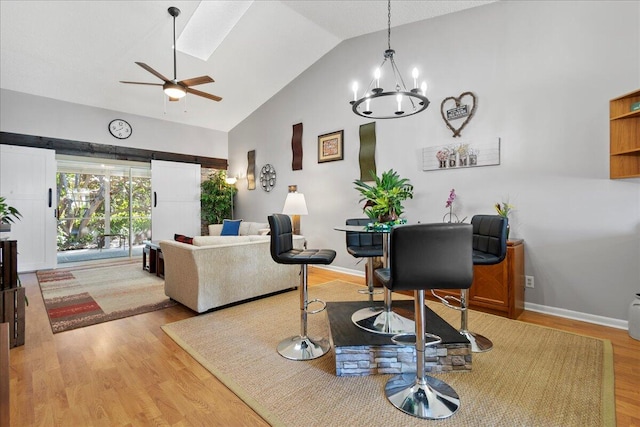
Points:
(12, 301)
(624, 126)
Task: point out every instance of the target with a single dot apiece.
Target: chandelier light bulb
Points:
(415, 76)
(367, 107)
(423, 87)
(376, 75)
(399, 99)
(354, 87)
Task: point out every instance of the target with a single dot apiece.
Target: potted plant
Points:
(216, 199)
(8, 215)
(384, 198)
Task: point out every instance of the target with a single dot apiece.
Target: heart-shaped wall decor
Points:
(458, 101)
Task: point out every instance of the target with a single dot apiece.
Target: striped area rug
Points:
(90, 294)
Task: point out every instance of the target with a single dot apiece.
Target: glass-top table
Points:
(379, 319)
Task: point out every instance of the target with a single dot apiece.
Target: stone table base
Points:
(358, 352)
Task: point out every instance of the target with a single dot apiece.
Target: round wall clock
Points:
(120, 129)
(267, 177)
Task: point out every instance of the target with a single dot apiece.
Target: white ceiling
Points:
(78, 51)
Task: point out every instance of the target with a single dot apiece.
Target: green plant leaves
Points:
(386, 195)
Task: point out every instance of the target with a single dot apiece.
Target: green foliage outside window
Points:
(216, 198)
(81, 208)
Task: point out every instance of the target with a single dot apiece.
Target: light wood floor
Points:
(129, 373)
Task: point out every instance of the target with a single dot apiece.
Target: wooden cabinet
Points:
(624, 140)
(498, 289)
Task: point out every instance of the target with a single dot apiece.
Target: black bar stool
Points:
(489, 247)
(299, 347)
(426, 256)
(365, 245)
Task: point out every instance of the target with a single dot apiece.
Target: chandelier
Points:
(378, 103)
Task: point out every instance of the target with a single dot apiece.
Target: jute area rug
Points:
(87, 295)
(534, 376)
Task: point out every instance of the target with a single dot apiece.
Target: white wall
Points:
(543, 73)
(35, 115)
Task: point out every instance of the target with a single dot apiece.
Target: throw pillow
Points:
(183, 239)
(230, 227)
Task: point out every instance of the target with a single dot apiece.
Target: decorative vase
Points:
(4, 231)
(451, 216)
(634, 318)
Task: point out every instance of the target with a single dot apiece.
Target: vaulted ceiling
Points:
(78, 51)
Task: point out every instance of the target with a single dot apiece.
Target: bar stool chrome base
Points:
(431, 399)
(381, 321)
(479, 343)
(303, 348)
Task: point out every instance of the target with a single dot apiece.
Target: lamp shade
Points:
(295, 204)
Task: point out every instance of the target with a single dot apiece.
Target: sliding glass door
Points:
(104, 209)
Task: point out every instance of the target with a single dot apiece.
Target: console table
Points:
(498, 289)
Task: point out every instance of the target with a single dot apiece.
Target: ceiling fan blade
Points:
(152, 71)
(204, 94)
(142, 83)
(196, 81)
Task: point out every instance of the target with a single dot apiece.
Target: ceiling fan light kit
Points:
(173, 88)
(376, 103)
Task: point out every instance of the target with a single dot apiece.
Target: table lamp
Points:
(295, 206)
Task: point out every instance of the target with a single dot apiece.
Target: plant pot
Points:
(4, 231)
(388, 217)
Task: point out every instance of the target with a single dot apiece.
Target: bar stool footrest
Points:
(324, 306)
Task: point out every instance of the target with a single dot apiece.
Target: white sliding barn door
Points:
(28, 182)
(175, 199)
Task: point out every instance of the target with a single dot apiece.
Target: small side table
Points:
(152, 258)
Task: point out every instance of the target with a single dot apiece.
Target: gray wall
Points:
(543, 73)
(36, 115)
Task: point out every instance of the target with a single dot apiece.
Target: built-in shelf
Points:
(624, 141)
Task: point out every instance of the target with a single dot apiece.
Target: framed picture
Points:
(330, 146)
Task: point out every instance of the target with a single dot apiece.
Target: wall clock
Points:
(120, 129)
(267, 177)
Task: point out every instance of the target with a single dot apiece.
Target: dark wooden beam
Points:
(103, 151)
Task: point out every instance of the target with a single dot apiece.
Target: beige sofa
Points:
(218, 270)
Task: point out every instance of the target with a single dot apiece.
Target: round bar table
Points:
(379, 320)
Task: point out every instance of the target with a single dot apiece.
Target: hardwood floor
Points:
(129, 373)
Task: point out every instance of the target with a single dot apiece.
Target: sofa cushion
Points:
(183, 239)
(215, 229)
(255, 227)
(230, 227)
(247, 228)
(219, 240)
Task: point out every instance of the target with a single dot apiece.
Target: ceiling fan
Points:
(173, 88)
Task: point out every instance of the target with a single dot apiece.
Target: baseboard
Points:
(576, 315)
(357, 273)
(553, 311)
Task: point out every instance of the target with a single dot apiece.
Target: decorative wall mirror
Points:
(267, 177)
